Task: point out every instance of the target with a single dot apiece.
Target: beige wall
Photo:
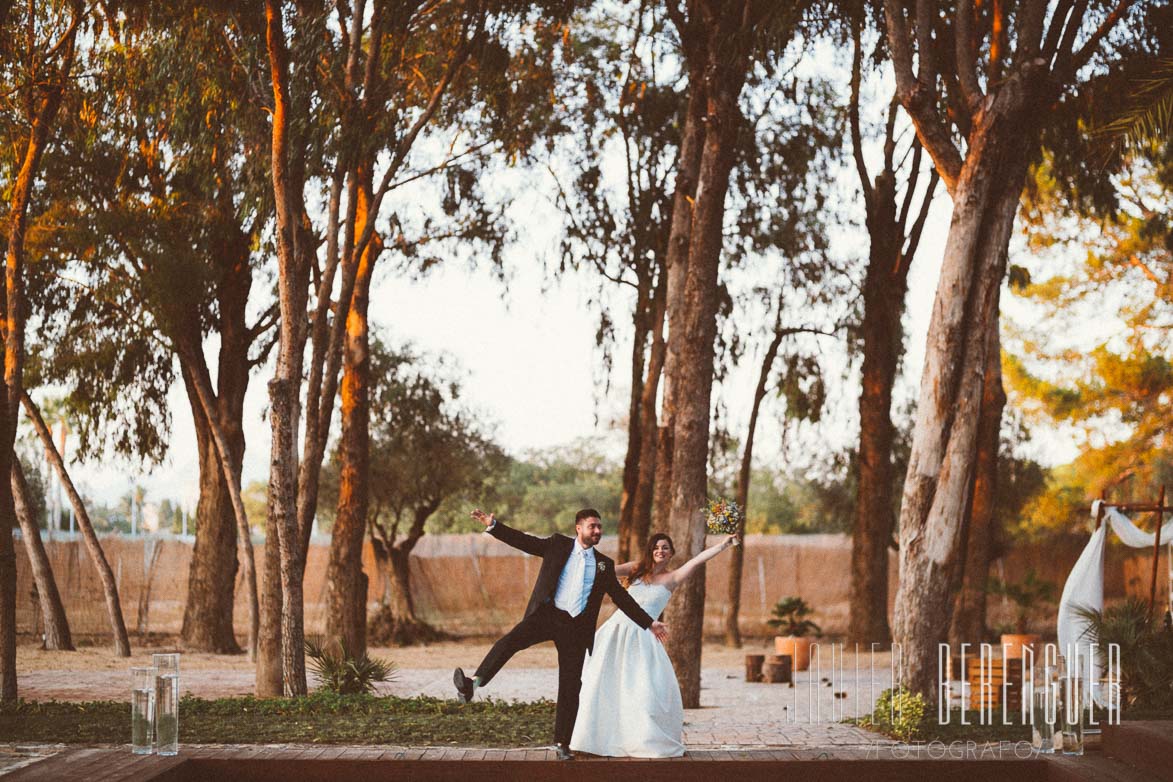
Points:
(475, 585)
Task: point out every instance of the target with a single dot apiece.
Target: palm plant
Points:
(1146, 652)
(1150, 116)
(341, 672)
(790, 618)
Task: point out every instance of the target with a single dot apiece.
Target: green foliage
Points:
(425, 447)
(1146, 652)
(1032, 593)
(1088, 349)
(342, 673)
(899, 713)
(790, 618)
(541, 492)
(318, 718)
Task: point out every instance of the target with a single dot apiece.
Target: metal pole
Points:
(1157, 551)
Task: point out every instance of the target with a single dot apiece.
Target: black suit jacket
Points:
(554, 551)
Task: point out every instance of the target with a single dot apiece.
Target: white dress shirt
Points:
(578, 576)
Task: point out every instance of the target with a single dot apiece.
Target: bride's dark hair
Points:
(646, 563)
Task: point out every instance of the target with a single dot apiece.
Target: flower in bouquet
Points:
(723, 517)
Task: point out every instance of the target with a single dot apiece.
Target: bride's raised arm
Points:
(681, 574)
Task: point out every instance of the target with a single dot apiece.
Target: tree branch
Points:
(1086, 51)
(853, 114)
(966, 55)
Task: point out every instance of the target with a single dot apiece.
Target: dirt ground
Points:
(96, 673)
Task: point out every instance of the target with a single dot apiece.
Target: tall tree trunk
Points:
(211, 581)
(7, 595)
(402, 603)
(627, 508)
(43, 101)
(885, 286)
(57, 635)
(649, 444)
(93, 545)
(676, 262)
(228, 444)
(936, 490)
(284, 411)
(221, 534)
(969, 617)
(692, 330)
(270, 681)
(382, 567)
(732, 629)
(346, 584)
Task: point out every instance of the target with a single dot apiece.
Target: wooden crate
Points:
(999, 672)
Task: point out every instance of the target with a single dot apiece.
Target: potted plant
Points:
(790, 620)
(1031, 592)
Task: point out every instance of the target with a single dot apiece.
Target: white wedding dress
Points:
(630, 702)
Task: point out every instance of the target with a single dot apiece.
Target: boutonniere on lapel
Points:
(601, 566)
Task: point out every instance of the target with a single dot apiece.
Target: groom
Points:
(563, 608)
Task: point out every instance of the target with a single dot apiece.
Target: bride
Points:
(630, 703)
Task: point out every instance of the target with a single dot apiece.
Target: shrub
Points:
(343, 673)
(899, 713)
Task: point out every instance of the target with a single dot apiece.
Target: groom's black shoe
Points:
(563, 752)
(463, 685)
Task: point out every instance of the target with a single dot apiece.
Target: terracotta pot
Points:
(799, 650)
(1012, 644)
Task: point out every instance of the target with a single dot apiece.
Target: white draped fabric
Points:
(1085, 584)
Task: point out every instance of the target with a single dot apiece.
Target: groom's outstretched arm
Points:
(519, 540)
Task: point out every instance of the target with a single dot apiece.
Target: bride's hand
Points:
(732, 541)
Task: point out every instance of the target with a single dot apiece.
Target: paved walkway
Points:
(735, 716)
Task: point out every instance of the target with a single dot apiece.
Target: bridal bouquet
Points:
(723, 517)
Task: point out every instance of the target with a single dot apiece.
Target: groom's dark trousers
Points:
(572, 636)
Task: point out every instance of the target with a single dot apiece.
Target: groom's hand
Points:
(660, 630)
(484, 518)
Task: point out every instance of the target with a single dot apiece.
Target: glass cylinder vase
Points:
(166, 703)
(142, 710)
(1072, 714)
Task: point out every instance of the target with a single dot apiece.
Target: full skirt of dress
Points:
(630, 703)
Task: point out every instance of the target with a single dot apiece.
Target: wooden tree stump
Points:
(753, 667)
(778, 670)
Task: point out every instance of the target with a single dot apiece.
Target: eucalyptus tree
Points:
(976, 96)
(426, 447)
(719, 44)
(616, 224)
(895, 214)
(387, 77)
(57, 635)
(781, 193)
(168, 209)
(38, 52)
(445, 69)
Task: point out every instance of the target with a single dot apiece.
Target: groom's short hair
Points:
(586, 513)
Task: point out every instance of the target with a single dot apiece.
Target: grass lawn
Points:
(321, 718)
